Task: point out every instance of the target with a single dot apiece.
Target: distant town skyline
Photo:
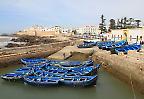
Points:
(19, 14)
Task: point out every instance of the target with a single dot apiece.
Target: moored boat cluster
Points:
(43, 72)
(120, 46)
(114, 47)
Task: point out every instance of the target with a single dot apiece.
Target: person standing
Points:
(64, 55)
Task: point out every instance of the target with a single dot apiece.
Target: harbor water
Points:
(4, 40)
(108, 87)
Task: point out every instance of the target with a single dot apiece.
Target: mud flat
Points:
(11, 55)
(129, 68)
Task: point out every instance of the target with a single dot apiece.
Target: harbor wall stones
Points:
(10, 55)
(129, 68)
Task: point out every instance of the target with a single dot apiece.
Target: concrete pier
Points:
(128, 68)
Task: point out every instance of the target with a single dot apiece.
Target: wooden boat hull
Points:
(12, 78)
(126, 48)
(35, 82)
(85, 45)
(91, 82)
(33, 61)
(41, 84)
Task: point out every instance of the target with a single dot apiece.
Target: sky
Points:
(16, 15)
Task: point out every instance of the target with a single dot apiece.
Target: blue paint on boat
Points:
(12, 76)
(52, 72)
(82, 81)
(127, 48)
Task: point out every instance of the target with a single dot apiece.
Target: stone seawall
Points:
(10, 55)
(128, 68)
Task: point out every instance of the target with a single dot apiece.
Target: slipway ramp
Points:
(67, 51)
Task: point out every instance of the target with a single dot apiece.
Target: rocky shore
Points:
(30, 40)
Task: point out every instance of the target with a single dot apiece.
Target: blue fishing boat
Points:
(72, 74)
(89, 62)
(81, 81)
(90, 70)
(83, 69)
(12, 77)
(46, 70)
(107, 47)
(86, 45)
(127, 48)
(97, 66)
(41, 81)
(111, 45)
(73, 64)
(117, 50)
(33, 60)
(17, 74)
(90, 42)
(70, 63)
(120, 44)
(40, 73)
(136, 47)
(103, 45)
(55, 61)
(39, 62)
(43, 72)
(23, 70)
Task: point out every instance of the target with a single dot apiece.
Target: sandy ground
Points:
(67, 52)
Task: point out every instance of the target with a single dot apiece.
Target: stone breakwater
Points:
(129, 68)
(10, 55)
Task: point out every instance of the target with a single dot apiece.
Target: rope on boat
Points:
(134, 95)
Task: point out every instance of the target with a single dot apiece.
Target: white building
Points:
(88, 29)
(34, 28)
(41, 28)
(41, 31)
(56, 29)
(65, 31)
(132, 35)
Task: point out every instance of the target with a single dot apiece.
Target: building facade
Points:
(41, 31)
(131, 35)
(88, 29)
